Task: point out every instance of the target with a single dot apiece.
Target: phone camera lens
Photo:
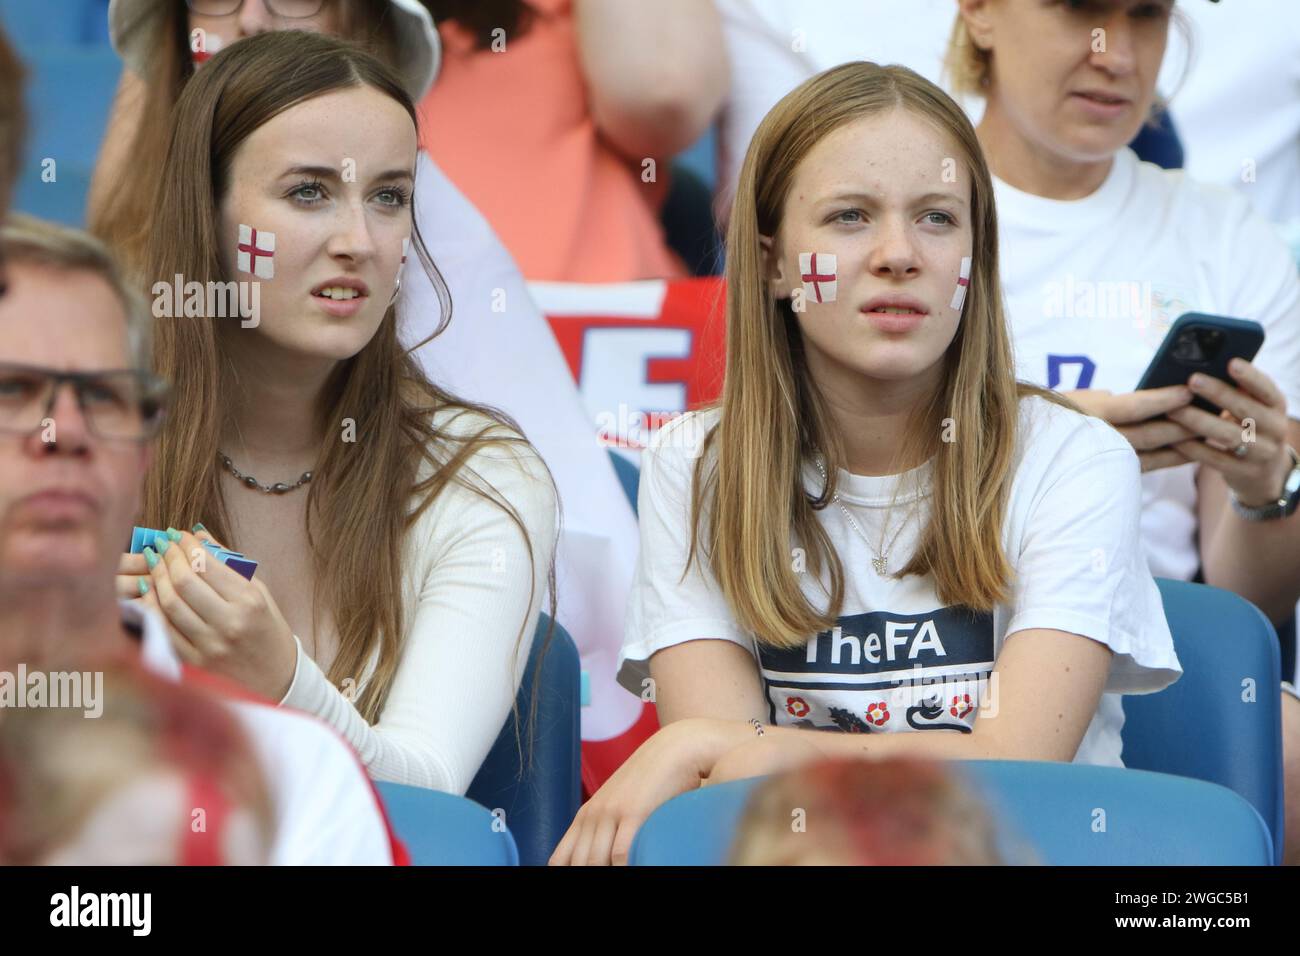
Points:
(1187, 348)
(1211, 341)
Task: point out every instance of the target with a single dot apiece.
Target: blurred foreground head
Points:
(163, 776)
(896, 812)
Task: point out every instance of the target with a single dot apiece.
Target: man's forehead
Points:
(62, 318)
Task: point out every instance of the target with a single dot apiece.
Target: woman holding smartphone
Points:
(1103, 253)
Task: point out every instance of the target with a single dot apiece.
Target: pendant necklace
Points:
(880, 560)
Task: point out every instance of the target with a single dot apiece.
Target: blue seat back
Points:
(539, 805)
(1220, 721)
(55, 23)
(1069, 814)
(440, 829)
(69, 96)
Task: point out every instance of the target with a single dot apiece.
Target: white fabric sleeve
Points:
(464, 653)
(764, 68)
(1262, 284)
(326, 811)
(663, 611)
(1081, 567)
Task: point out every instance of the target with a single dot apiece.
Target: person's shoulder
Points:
(283, 722)
(455, 425)
(1189, 201)
(681, 440)
(299, 744)
(328, 809)
(502, 462)
(1055, 433)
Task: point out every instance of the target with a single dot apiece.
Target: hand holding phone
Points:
(1198, 342)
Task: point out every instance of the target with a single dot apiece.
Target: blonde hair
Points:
(27, 239)
(967, 67)
(773, 416)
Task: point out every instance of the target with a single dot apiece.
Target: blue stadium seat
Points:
(69, 97)
(440, 829)
(1220, 721)
(701, 158)
(1158, 142)
(629, 476)
(1070, 814)
(28, 23)
(540, 804)
(63, 201)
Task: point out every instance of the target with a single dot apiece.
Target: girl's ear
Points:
(773, 272)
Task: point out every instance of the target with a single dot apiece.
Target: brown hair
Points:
(482, 18)
(57, 764)
(359, 505)
(900, 811)
(121, 214)
(773, 416)
(12, 121)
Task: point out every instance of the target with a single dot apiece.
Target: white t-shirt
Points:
(499, 350)
(466, 587)
(899, 660)
(1237, 111)
(774, 45)
(1093, 284)
(326, 811)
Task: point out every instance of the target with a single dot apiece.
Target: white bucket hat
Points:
(419, 52)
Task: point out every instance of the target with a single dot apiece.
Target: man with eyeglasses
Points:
(77, 412)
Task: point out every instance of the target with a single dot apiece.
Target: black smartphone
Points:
(1197, 342)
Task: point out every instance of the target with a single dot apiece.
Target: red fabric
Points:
(225, 687)
(600, 758)
(203, 847)
(696, 305)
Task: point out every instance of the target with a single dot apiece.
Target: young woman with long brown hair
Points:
(406, 545)
(877, 529)
(498, 348)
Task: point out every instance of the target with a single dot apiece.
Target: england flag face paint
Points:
(963, 283)
(817, 271)
(255, 253)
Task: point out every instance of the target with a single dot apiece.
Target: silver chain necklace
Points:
(279, 488)
(880, 561)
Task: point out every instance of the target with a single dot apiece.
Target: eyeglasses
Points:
(117, 404)
(285, 9)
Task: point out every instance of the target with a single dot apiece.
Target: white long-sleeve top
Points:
(466, 585)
